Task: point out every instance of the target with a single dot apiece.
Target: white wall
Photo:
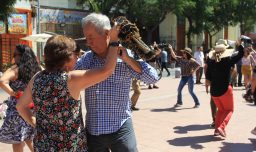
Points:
(168, 28)
(234, 32)
(60, 3)
(24, 4)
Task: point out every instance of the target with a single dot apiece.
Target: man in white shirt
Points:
(199, 57)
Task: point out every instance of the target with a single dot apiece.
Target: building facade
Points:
(56, 16)
(16, 26)
(173, 30)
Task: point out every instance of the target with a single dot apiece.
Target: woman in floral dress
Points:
(15, 130)
(55, 92)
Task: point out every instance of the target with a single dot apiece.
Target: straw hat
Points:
(222, 52)
(188, 51)
(222, 41)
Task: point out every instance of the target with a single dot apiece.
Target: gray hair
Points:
(100, 21)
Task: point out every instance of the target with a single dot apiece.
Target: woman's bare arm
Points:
(22, 105)
(8, 75)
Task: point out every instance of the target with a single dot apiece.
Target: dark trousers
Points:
(121, 141)
(199, 74)
(213, 109)
(164, 66)
(239, 74)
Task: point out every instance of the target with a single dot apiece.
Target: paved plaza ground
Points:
(160, 127)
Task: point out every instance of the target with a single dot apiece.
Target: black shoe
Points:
(196, 106)
(177, 105)
(212, 125)
(134, 108)
(149, 87)
(156, 87)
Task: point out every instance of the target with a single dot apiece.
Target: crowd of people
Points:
(106, 73)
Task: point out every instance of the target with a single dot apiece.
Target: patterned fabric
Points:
(14, 129)
(59, 123)
(108, 102)
(186, 66)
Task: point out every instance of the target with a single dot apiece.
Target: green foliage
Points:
(6, 7)
(196, 12)
(245, 14)
(106, 7)
(147, 14)
(202, 15)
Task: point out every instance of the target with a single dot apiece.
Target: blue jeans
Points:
(190, 81)
(121, 141)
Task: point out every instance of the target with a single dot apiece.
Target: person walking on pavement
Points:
(108, 107)
(164, 61)
(218, 78)
(188, 67)
(199, 57)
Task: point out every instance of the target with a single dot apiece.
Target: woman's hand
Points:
(192, 72)
(114, 31)
(122, 54)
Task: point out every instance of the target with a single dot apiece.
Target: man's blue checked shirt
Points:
(108, 102)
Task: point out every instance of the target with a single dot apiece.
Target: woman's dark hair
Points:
(57, 52)
(28, 64)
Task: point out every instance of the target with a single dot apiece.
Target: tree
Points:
(147, 14)
(245, 13)
(220, 14)
(107, 7)
(195, 11)
(6, 7)
(230, 12)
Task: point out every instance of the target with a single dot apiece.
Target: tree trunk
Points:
(210, 37)
(242, 28)
(149, 37)
(189, 42)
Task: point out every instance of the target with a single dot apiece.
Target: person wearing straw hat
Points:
(218, 78)
(188, 67)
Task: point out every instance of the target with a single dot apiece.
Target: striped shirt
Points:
(108, 102)
(187, 66)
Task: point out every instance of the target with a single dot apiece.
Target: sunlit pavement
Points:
(160, 127)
